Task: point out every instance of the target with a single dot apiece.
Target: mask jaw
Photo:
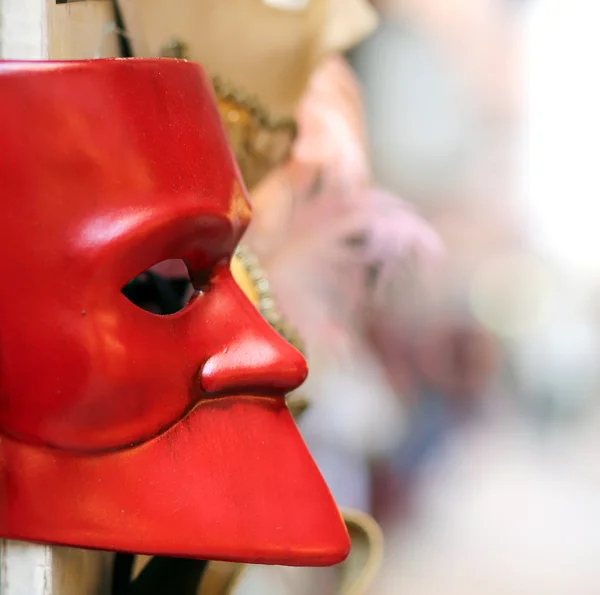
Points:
(229, 482)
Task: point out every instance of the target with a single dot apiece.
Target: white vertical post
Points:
(30, 569)
(24, 568)
(24, 29)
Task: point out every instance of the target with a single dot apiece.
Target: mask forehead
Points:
(160, 150)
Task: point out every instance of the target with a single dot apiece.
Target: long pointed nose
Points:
(257, 363)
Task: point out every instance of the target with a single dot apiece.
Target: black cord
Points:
(161, 576)
(125, 48)
(122, 569)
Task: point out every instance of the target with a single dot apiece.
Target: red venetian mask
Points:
(121, 429)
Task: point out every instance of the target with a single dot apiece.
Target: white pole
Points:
(24, 29)
(30, 569)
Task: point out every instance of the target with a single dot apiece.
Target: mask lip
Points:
(231, 493)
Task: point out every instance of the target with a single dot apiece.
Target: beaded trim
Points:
(266, 302)
(260, 143)
(226, 92)
(296, 402)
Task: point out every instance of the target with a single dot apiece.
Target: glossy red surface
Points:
(121, 429)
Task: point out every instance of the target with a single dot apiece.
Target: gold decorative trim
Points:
(228, 93)
(260, 143)
(266, 302)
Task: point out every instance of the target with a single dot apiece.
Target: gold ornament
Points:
(260, 143)
(265, 301)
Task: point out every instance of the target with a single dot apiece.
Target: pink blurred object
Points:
(333, 244)
(343, 257)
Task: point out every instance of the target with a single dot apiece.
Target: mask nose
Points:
(257, 361)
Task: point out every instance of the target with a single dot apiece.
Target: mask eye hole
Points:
(164, 288)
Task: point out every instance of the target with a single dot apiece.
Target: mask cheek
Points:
(45, 374)
(103, 382)
(141, 377)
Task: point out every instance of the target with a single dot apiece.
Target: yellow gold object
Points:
(250, 278)
(243, 279)
(354, 576)
(297, 403)
(246, 270)
(358, 571)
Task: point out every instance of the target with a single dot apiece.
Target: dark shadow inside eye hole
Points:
(165, 288)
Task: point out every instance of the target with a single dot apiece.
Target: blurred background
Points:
(484, 114)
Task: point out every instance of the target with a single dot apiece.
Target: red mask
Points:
(121, 429)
